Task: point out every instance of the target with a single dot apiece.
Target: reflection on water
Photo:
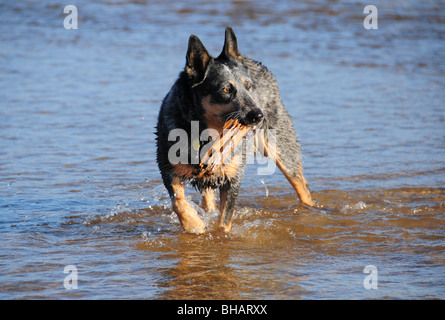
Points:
(78, 179)
(304, 246)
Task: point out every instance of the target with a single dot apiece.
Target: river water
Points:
(79, 185)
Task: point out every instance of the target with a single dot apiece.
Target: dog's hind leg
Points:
(284, 149)
(188, 216)
(298, 182)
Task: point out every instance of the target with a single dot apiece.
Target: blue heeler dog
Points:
(208, 92)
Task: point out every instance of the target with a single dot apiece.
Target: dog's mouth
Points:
(250, 122)
(233, 133)
(253, 127)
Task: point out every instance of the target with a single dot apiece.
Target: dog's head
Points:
(221, 86)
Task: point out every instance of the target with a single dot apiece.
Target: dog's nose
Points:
(259, 116)
(255, 116)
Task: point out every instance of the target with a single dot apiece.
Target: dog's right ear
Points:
(197, 60)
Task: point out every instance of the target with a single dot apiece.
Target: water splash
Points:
(358, 206)
(265, 187)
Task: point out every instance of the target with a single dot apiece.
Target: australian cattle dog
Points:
(209, 91)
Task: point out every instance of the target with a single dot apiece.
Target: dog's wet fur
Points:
(212, 90)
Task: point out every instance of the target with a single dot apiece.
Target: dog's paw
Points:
(191, 222)
(194, 225)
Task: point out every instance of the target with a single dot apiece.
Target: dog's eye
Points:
(227, 90)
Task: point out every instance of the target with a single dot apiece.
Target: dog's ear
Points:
(231, 45)
(197, 59)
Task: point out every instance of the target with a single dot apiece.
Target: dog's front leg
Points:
(208, 200)
(187, 215)
(228, 196)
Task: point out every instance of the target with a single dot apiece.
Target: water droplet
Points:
(265, 187)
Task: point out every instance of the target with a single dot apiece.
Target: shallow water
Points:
(79, 184)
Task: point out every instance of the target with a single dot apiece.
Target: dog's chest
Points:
(224, 174)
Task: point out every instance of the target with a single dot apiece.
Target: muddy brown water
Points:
(79, 185)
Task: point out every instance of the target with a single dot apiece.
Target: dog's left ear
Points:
(231, 45)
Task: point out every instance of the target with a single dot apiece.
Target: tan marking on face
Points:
(213, 113)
